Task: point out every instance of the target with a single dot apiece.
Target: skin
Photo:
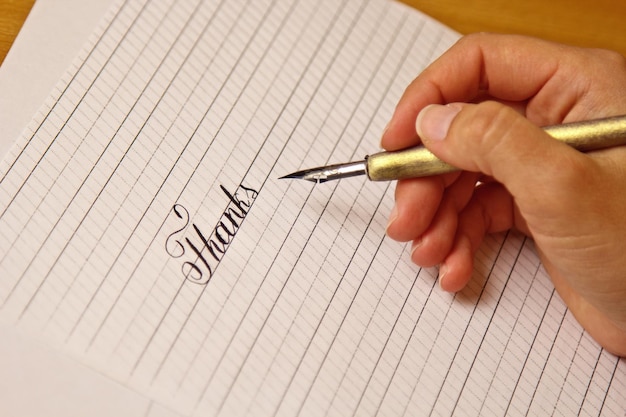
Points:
(478, 107)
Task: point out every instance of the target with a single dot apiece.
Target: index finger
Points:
(504, 67)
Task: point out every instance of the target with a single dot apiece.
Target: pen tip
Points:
(312, 175)
(290, 176)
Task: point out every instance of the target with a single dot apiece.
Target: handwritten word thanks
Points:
(207, 249)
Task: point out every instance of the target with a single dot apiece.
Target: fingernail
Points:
(433, 122)
(415, 246)
(382, 136)
(392, 216)
(417, 243)
(443, 269)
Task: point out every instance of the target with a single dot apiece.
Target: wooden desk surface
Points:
(596, 23)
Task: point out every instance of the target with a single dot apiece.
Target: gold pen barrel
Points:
(591, 135)
(407, 163)
(420, 162)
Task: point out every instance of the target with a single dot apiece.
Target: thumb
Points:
(495, 140)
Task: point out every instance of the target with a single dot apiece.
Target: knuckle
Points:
(489, 128)
(602, 68)
(612, 58)
(475, 37)
(490, 121)
(473, 42)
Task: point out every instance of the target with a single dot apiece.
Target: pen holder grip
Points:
(420, 162)
(407, 163)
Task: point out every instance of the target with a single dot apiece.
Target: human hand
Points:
(515, 176)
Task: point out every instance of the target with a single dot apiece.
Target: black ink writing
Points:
(205, 251)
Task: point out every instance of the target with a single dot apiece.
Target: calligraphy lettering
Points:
(205, 251)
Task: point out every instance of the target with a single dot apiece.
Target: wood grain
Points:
(591, 23)
(12, 16)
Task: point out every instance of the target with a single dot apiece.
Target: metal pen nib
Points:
(330, 172)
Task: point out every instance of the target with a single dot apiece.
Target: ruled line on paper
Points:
(302, 305)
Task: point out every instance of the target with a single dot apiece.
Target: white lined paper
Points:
(310, 310)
